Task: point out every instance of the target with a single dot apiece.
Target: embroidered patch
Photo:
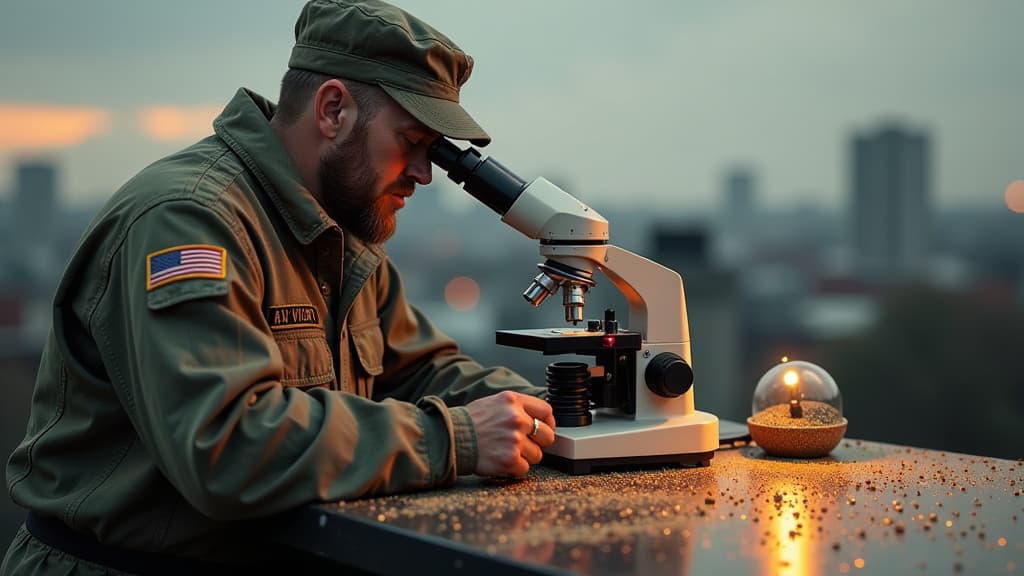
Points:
(184, 262)
(293, 316)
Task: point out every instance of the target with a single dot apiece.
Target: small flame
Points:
(785, 359)
(790, 378)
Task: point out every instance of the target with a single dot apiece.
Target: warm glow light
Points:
(785, 359)
(790, 378)
(172, 123)
(32, 127)
(795, 546)
(462, 293)
(1015, 196)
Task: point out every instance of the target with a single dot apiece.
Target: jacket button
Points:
(325, 289)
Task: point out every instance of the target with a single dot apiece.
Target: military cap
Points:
(377, 43)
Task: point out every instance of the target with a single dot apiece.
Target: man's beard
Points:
(348, 183)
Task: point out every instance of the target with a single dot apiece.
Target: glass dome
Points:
(798, 380)
(797, 411)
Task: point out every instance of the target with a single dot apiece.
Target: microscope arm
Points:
(648, 285)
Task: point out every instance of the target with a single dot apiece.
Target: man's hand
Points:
(503, 424)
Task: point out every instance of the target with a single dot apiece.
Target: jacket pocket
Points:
(369, 349)
(306, 357)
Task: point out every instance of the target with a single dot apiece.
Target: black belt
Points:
(56, 534)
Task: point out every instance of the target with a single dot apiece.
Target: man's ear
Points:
(334, 110)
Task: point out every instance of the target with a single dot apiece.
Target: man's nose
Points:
(420, 168)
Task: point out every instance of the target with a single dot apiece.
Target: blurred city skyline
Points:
(655, 100)
(827, 178)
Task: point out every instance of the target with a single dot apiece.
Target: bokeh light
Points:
(33, 127)
(1015, 196)
(177, 123)
(462, 293)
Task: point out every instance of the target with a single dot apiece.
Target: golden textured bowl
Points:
(794, 442)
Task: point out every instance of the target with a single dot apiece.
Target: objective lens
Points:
(541, 287)
(573, 298)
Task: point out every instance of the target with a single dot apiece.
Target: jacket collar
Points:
(245, 126)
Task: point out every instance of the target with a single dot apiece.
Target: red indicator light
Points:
(609, 341)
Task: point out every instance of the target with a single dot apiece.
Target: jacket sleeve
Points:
(196, 367)
(420, 360)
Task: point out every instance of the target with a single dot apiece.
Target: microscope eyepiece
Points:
(485, 178)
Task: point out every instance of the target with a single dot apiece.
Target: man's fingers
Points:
(521, 467)
(531, 452)
(539, 409)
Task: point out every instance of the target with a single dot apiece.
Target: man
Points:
(229, 340)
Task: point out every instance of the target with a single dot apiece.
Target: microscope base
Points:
(619, 442)
(578, 467)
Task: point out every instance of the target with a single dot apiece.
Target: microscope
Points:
(634, 405)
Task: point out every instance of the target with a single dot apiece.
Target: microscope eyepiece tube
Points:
(486, 179)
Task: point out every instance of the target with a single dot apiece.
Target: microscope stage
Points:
(568, 340)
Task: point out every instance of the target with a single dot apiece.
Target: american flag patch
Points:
(183, 262)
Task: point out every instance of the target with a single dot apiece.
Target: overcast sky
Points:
(622, 102)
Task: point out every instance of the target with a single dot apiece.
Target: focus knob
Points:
(668, 375)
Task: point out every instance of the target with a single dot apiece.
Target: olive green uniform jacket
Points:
(166, 411)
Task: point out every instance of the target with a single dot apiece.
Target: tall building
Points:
(35, 204)
(891, 197)
(740, 202)
(30, 244)
(736, 230)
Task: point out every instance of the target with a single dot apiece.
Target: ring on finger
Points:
(536, 426)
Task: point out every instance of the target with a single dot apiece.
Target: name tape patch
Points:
(293, 316)
(184, 262)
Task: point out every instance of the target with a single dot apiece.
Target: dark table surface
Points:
(868, 508)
